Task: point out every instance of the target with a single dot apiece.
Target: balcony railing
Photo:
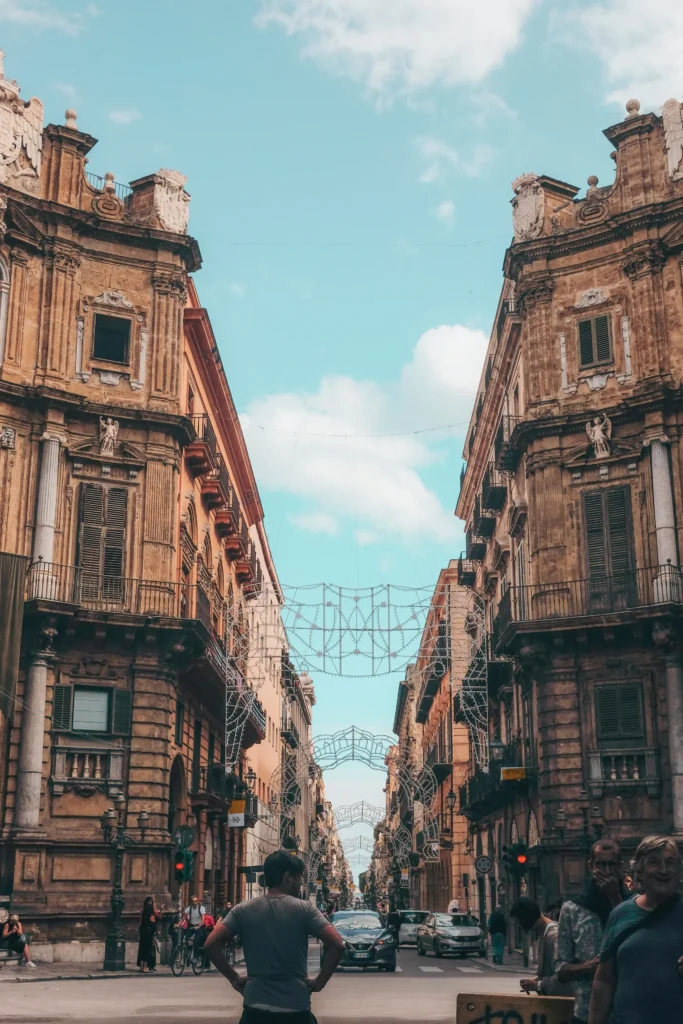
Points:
(98, 182)
(493, 489)
(70, 584)
(289, 731)
(623, 770)
(485, 791)
(483, 520)
(440, 760)
(216, 484)
(201, 453)
(467, 571)
(505, 449)
(597, 595)
(475, 546)
(87, 769)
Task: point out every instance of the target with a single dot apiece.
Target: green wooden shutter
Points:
(617, 507)
(595, 534)
(61, 707)
(121, 712)
(115, 533)
(603, 345)
(90, 539)
(586, 353)
(619, 712)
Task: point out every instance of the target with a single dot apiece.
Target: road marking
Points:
(399, 970)
(432, 970)
(469, 970)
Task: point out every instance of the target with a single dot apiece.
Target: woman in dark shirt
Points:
(147, 953)
(640, 976)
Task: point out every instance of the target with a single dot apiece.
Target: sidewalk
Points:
(513, 963)
(79, 972)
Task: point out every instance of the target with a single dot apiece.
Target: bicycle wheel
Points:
(198, 962)
(178, 961)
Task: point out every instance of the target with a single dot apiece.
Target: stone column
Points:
(46, 510)
(30, 774)
(667, 583)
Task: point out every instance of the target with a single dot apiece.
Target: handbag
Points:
(157, 945)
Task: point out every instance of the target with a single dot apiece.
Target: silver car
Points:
(450, 933)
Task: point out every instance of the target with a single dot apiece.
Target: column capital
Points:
(53, 435)
(649, 439)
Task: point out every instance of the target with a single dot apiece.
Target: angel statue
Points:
(599, 431)
(109, 431)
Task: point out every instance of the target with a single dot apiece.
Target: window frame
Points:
(119, 706)
(595, 362)
(621, 741)
(80, 690)
(95, 356)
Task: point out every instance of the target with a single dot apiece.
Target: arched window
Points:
(514, 832)
(220, 580)
(207, 552)
(4, 303)
(191, 522)
(532, 830)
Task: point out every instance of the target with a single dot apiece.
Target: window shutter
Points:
(595, 534)
(61, 707)
(115, 534)
(121, 712)
(607, 712)
(631, 710)
(586, 356)
(90, 539)
(617, 507)
(603, 347)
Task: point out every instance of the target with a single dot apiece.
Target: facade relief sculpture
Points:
(109, 432)
(21, 137)
(599, 432)
(528, 207)
(672, 117)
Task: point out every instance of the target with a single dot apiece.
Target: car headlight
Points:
(388, 940)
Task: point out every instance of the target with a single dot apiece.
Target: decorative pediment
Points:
(517, 517)
(125, 454)
(620, 449)
(673, 239)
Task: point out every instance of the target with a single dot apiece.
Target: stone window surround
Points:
(4, 305)
(594, 302)
(112, 303)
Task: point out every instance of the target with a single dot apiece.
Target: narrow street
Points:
(423, 989)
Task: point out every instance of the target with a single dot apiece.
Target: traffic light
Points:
(183, 865)
(515, 859)
(521, 858)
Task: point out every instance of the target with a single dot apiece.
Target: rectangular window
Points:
(91, 710)
(179, 723)
(102, 536)
(190, 401)
(595, 341)
(619, 712)
(111, 338)
(609, 548)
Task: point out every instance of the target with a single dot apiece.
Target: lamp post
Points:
(251, 780)
(451, 800)
(112, 824)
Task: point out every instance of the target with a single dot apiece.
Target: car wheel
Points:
(421, 951)
(390, 968)
(437, 950)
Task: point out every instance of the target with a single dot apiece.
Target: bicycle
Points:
(184, 955)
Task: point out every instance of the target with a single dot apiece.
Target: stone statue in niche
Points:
(672, 118)
(599, 431)
(109, 432)
(21, 137)
(171, 201)
(528, 208)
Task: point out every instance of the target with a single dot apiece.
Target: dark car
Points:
(367, 943)
(450, 933)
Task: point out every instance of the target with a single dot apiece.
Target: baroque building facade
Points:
(571, 496)
(151, 624)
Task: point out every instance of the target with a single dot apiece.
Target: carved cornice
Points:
(645, 260)
(173, 283)
(532, 291)
(62, 257)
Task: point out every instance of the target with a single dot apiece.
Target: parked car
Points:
(410, 922)
(367, 943)
(450, 933)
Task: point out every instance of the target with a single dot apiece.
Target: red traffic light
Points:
(521, 858)
(179, 864)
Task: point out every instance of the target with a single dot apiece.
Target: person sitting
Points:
(13, 934)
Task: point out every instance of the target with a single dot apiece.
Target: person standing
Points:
(275, 929)
(13, 933)
(497, 926)
(640, 975)
(147, 946)
(546, 983)
(582, 922)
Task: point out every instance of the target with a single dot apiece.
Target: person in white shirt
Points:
(195, 916)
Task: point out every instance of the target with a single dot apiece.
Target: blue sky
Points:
(350, 163)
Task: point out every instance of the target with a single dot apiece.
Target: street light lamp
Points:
(496, 748)
(251, 780)
(451, 801)
(112, 824)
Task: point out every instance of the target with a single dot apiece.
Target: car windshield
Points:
(413, 916)
(454, 920)
(359, 923)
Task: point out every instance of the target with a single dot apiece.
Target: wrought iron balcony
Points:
(237, 544)
(72, 585)
(245, 566)
(467, 571)
(506, 448)
(483, 520)
(578, 601)
(216, 484)
(201, 453)
(475, 546)
(290, 733)
(215, 784)
(440, 760)
(487, 791)
(494, 490)
(623, 770)
(227, 517)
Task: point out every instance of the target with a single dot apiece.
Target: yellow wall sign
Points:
(236, 813)
(512, 774)
(504, 1009)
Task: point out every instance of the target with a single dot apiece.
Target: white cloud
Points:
(488, 105)
(316, 522)
(640, 47)
(237, 288)
(68, 90)
(40, 15)
(440, 159)
(445, 212)
(125, 116)
(322, 445)
(402, 47)
(93, 11)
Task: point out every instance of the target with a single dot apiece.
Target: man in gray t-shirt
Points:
(275, 930)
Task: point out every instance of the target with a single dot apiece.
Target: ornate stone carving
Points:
(21, 137)
(672, 118)
(112, 379)
(597, 381)
(108, 206)
(539, 290)
(648, 260)
(109, 432)
(528, 207)
(170, 283)
(8, 437)
(624, 377)
(63, 258)
(171, 201)
(599, 432)
(113, 298)
(591, 297)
